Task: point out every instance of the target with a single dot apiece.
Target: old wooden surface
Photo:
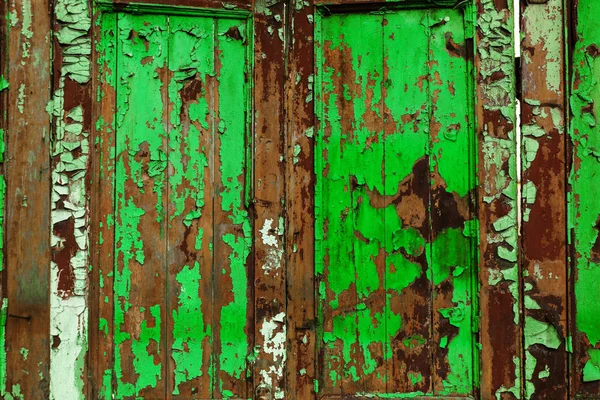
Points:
(26, 290)
(269, 271)
(301, 372)
(394, 204)
(544, 239)
(500, 283)
(584, 209)
(299, 199)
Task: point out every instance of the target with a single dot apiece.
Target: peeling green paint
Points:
(70, 152)
(361, 166)
(584, 208)
(171, 71)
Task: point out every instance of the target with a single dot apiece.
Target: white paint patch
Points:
(275, 251)
(274, 339)
(267, 237)
(68, 332)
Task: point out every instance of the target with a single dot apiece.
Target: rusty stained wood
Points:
(25, 290)
(500, 278)
(299, 189)
(544, 240)
(270, 323)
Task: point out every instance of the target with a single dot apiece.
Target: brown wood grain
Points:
(269, 191)
(544, 233)
(27, 214)
(500, 332)
(190, 239)
(101, 327)
(300, 234)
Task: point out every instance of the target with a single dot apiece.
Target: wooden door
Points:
(176, 303)
(395, 245)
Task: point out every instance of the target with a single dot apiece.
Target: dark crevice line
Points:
(166, 215)
(214, 366)
(288, 141)
(473, 206)
(432, 352)
(386, 341)
(569, 30)
(115, 217)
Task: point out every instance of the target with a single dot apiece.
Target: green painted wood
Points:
(182, 304)
(584, 208)
(140, 227)
(190, 205)
(395, 175)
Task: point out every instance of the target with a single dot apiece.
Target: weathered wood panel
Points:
(191, 164)
(584, 208)
(500, 282)
(25, 293)
(395, 179)
(270, 319)
(233, 225)
(140, 210)
(299, 244)
(176, 109)
(190, 211)
(407, 170)
(544, 212)
(452, 258)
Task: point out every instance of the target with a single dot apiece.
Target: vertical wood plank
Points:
(300, 229)
(270, 323)
(453, 248)
(26, 286)
(350, 163)
(4, 85)
(407, 187)
(331, 197)
(232, 224)
(190, 211)
(367, 180)
(544, 239)
(141, 205)
(103, 207)
(71, 112)
(500, 334)
(584, 208)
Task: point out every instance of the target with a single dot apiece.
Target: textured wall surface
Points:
(299, 199)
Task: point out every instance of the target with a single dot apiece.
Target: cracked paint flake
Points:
(70, 208)
(274, 335)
